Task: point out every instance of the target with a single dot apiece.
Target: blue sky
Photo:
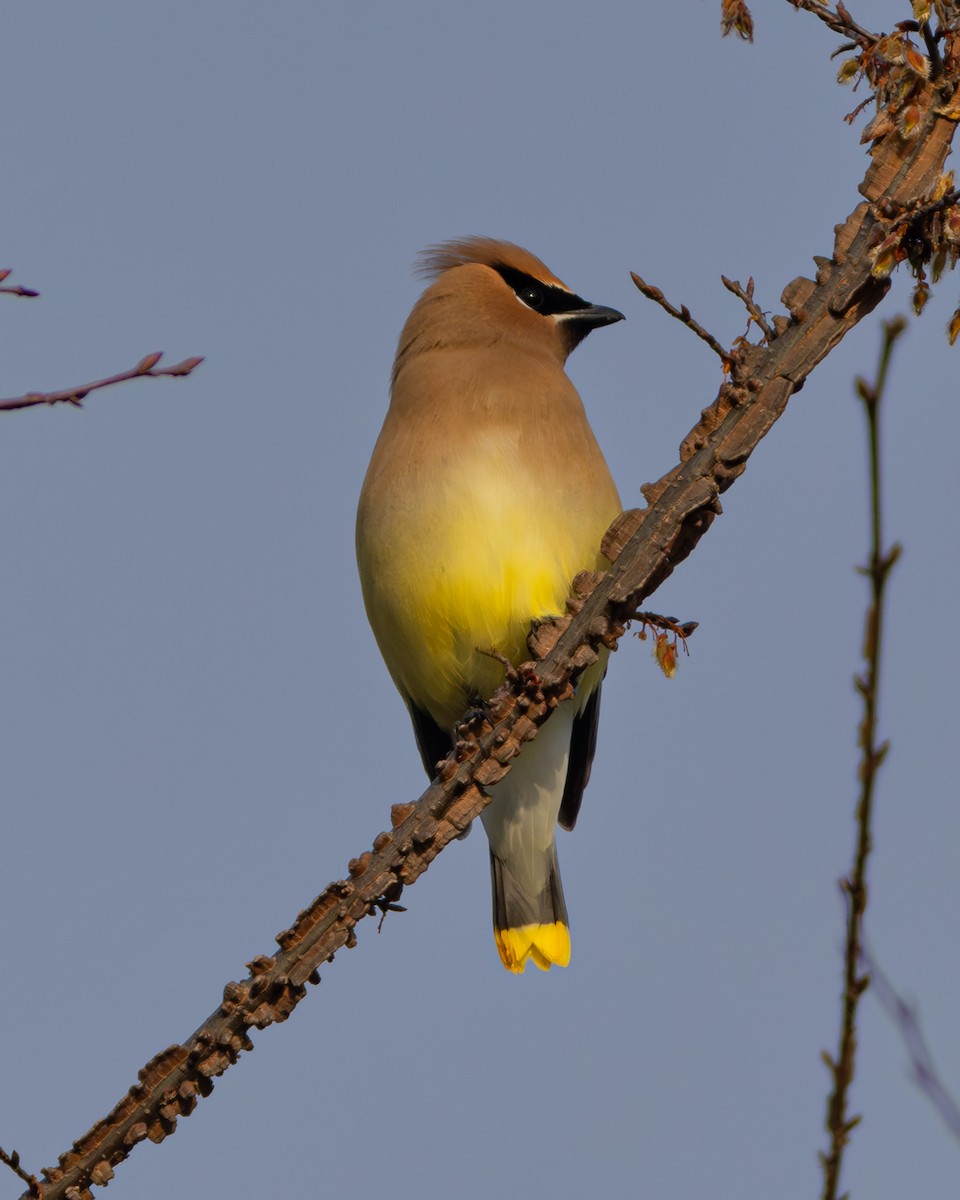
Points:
(199, 732)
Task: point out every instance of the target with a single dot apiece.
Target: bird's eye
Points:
(531, 296)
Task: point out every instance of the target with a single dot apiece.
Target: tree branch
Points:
(76, 395)
(754, 311)
(838, 19)
(872, 754)
(644, 547)
(682, 314)
(28, 293)
(12, 1160)
(922, 1066)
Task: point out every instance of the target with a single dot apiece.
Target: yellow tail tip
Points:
(545, 945)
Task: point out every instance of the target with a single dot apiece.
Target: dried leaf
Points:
(953, 329)
(891, 48)
(879, 127)
(951, 225)
(735, 18)
(908, 120)
(944, 185)
(849, 70)
(950, 110)
(887, 255)
(916, 61)
(665, 652)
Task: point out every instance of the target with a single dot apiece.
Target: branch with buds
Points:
(872, 753)
(29, 293)
(12, 1160)
(76, 395)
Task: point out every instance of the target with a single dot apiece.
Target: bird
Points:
(486, 494)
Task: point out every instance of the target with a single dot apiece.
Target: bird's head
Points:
(485, 291)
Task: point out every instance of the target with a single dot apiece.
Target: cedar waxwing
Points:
(486, 494)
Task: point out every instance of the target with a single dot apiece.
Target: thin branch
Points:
(922, 1067)
(76, 395)
(735, 17)
(679, 629)
(644, 546)
(671, 634)
(852, 116)
(682, 314)
(28, 293)
(872, 754)
(753, 310)
(838, 19)
(12, 1160)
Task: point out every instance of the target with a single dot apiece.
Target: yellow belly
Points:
(465, 565)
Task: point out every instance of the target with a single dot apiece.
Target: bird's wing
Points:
(583, 743)
(433, 742)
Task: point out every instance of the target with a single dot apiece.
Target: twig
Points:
(852, 116)
(746, 295)
(12, 1160)
(76, 395)
(682, 314)
(29, 293)
(680, 629)
(665, 649)
(922, 1067)
(872, 754)
(839, 20)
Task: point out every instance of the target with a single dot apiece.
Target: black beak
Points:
(595, 315)
(576, 323)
